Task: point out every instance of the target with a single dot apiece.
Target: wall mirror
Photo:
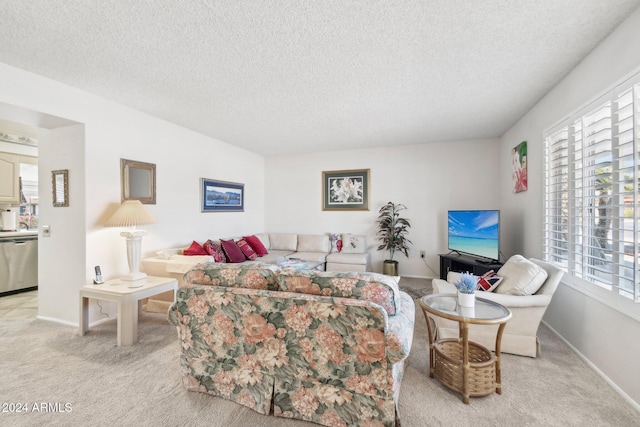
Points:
(138, 181)
(60, 181)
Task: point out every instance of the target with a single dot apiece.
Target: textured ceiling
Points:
(304, 76)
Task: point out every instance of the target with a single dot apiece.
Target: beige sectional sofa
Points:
(309, 247)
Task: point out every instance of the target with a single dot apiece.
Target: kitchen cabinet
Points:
(9, 178)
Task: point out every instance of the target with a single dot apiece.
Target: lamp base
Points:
(135, 276)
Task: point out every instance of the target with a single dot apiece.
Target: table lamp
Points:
(132, 214)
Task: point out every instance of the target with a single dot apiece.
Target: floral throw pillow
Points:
(336, 242)
(214, 250)
(353, 244)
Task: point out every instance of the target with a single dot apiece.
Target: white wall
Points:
(608, 339)
(111, 132)
(429, 179)
(62, 255)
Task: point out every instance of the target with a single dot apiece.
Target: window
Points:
(591, 189)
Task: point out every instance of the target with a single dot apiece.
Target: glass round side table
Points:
(462, 365)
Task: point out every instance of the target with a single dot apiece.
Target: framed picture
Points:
(221, 196)
(519, 167)
(345, 190)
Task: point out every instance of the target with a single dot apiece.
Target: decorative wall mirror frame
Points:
(60, 185)
(138, 181)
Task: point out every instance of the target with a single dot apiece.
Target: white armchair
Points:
(520, 334)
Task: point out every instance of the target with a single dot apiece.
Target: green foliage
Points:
(392, 229)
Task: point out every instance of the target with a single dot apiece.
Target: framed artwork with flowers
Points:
(519, 167)
(345, 190)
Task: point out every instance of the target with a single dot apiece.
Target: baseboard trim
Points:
(75, 324)
(597, 370)
(54, 320)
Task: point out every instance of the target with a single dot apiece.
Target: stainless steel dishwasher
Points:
(18, 263)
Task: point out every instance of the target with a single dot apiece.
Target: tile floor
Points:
(19, 306)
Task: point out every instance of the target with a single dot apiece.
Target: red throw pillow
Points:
(194, 249)
(214, 250)
(256, 245)
(232, 251)
(246, 249)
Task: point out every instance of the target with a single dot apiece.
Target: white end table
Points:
(129, 300)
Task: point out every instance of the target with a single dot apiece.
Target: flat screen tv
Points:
(475, 233)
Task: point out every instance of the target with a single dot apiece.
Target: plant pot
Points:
(466, 300)
(390, 267)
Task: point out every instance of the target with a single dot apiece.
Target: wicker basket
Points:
(481, 379)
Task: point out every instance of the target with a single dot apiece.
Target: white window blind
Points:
(591, 189)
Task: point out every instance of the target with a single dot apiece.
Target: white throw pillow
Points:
(520, 277)
(353, 244)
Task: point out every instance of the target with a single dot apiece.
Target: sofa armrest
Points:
(400, 330)
(443, 287)
(510, 301)
(516, 301)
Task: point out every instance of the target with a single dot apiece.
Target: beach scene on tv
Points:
(475, 233)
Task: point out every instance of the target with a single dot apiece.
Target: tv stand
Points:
(465, 264)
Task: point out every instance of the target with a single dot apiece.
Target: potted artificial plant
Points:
(466, 286)
(392, 231)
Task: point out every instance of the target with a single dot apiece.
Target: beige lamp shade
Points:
(130, 214)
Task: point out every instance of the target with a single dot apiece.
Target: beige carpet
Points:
(89, 381)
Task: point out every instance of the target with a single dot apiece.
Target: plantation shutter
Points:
(556, 207)
(591, 186)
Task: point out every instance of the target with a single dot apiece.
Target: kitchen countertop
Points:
(21, 233)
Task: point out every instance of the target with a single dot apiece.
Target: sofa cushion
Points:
(232, 251)
(253, 275)
(343, 258)
(214, 249)
(520, 277)
(246, 249)
(372, 287)
(310, 256)
(313, 243)
(195, 249)
(353, 244)
(256, 244)
(283, 241)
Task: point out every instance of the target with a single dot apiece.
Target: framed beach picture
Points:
(221, 196)
(345, 190)
(519, 167)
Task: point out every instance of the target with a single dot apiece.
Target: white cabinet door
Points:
(9, 178)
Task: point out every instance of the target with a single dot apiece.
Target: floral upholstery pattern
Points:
(373, 287)
(330, 360)
(252, 276)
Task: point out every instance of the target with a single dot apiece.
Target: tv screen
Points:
(475, 233)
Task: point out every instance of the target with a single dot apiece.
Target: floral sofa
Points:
(326, 347)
